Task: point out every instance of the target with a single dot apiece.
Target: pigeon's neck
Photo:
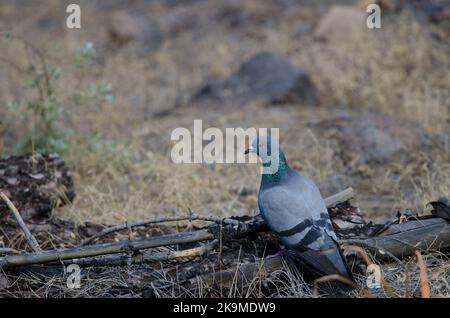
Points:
(280, 173)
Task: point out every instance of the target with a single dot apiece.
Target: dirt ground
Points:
(120, 104)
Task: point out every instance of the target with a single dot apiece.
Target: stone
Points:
(375, 137)
(265, 77)
(340, 22)
(125, 27)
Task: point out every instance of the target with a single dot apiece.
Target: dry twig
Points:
(31, 240)
(424, 284)
(149, 221)
(341, 279)
(106, 248)
(146, 257)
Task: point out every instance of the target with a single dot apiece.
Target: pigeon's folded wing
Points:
(293, 219)
(306, 238)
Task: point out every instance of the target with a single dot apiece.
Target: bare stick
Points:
(401, 241)
(28, 236)
(404, 239)
(127, 225)
(330, 202)
(6, 250)
(146, 257)
(106, 248)
(340, 197)
(235, 227)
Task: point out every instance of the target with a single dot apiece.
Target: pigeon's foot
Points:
(280, 253)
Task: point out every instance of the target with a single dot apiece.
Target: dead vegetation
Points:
(182, 265)
(120, 149)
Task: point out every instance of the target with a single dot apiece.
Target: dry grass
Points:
(146, 280)
(399, 70)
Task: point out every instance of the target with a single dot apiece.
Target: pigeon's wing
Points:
(327, 261)
(294, 218)
(313, 201)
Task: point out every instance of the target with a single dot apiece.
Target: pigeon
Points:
(294, 210)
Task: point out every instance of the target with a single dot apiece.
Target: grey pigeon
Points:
(294, 210)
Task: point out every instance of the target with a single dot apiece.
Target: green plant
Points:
(96, 152)
(87, 55)
(45, 108)
(102, 92)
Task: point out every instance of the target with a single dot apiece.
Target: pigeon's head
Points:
(265, 147)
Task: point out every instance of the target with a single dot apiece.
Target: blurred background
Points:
(367, 108)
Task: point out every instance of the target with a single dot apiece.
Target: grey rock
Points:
(265, 77)
(125, 27)
(375, 137)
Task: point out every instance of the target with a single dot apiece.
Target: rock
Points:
(440, 12)
(375, 137)
(243, 15)
(442, 15)
(125, 27)
(265, 77)
(180, 20)
(340, 22)
(436, 11)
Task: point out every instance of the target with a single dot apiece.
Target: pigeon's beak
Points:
(249, 150)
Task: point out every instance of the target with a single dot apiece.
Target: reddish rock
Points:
(125, 27)
(340, 22)
(375, 137)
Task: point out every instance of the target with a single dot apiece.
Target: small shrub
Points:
(45, 108)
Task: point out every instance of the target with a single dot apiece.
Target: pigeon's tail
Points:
(328, 261)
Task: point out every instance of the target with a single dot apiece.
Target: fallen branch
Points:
(147, 257)
(31, 240)
(331, 201)
(340, 197)
(106, 248)
(399, 241)
(6, 250)
(149, 221)
(404, 239)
